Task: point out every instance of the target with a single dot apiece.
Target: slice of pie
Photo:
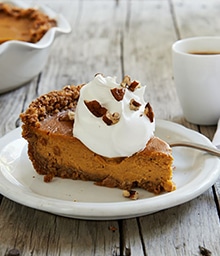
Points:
(48, 126)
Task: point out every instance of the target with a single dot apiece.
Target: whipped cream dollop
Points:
(112, 119)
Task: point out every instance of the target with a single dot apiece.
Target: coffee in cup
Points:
(196, 70)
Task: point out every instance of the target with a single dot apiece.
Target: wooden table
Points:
(117, 37)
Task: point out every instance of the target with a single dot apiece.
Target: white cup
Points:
(196, 70)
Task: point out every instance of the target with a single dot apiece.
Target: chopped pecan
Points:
(126, 81)
(132, 194)
(133, 86)
(95, 108)
(110, 119)
(66, 116)
(118, 93)
(149, 112)
(134, 105)
(112, 228)
(71, 115)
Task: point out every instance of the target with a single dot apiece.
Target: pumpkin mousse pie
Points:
(21, 24)
(102, 131)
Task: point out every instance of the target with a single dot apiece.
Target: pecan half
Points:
(134, 105)
(95, 108)
(149, 112)
(111, 119)
(118, 93)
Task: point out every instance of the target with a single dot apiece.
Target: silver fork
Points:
(209, 149)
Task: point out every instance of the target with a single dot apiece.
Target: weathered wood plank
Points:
(182, 230)
(131, 238)
(38, 233)
(92, 47)
(197, 18)
(147, 45)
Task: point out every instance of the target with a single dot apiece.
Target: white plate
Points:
(194, 173)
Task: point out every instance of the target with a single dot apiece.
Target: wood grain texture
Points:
(117, 37)
(39, 233)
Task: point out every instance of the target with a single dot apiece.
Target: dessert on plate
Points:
(27, 25)
(102, 131)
